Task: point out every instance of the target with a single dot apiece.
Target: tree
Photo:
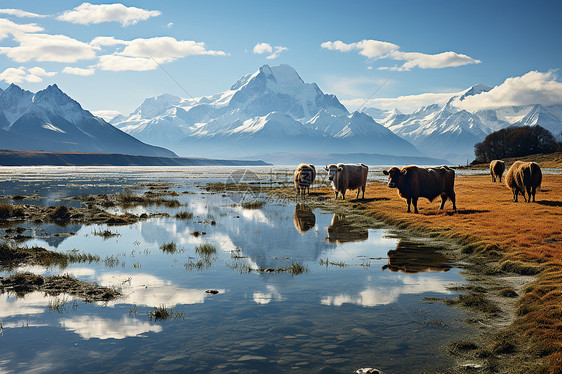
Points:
(515, 142)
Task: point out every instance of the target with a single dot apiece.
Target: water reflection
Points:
(89, 327)
(342, 231)
(267, 296)
(411, 257)
(303, 218)
(384, 294)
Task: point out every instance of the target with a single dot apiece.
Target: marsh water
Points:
(294, 288)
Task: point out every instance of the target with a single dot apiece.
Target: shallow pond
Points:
(299, 289)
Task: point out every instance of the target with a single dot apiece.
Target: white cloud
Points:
(121, 63)
(40, 72)
(106, 41)
(532, 88)
(166, 47)
(147, 54)
(21, 74)
(79, 71)
(21, 13)
(274, 52)
(261, 48)
(87, 13)
(169, 25)
(406, 104)
(45, 47)
(426, 61)
(8, 27)
(375, 49)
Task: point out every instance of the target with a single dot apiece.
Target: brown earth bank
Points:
(516, 247)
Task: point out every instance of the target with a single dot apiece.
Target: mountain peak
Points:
(284, 75)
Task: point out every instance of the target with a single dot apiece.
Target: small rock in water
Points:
(213, 292)
(368, 371)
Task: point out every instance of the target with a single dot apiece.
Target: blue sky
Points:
(406, 46)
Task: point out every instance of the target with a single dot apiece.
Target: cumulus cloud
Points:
(8, 27)
(87, 13)
(532, 88)
(375, 49)
(79, 71)
(21, 74)
(274, 52)
(145, 54)
(116, 62)
(45, 47)
(102, 41)
(21, 13)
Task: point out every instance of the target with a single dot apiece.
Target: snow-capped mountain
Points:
(451, 132)
(271, 110)
(51, 120)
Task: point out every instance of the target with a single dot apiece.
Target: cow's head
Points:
(395, 176)
(333, 170)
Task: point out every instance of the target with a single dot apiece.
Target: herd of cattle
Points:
(414, 182)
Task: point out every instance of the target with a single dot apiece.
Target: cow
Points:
(303, 218)
(303, 178)
(497, 167)
(414, 182)
(348, 177)
(524, 176)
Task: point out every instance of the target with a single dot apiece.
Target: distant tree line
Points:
(515, 142)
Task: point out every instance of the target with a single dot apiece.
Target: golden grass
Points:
(525, 238)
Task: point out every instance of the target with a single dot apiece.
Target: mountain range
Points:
(272, 110)
(272, 113)
(449, 132)
(50, 120)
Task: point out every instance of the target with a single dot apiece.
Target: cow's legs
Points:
(453, 198)
(358, 191)
(336, 192)
(363, 192)
(443, 199)
(493, 178)
(529, 194)
(533, 191)
(409, 201)
(343, 194)
(415, 202)
(515, 193)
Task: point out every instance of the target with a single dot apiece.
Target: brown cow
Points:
(303, 218)
(414, 182)
(348, 177)
(524, 176)
(497, 167)
(303, 178)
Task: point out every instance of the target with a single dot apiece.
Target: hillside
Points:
(35, 158)
(550, 160)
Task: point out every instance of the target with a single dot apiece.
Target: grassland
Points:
(497, 236)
